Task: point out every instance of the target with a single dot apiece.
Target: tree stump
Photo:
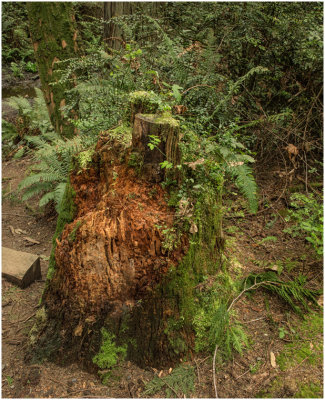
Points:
(166, 130)
(120, 264)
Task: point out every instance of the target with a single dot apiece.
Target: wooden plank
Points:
(19, 267)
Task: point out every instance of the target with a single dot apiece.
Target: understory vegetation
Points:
(244, 81)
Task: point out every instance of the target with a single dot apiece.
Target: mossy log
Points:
(120, 265)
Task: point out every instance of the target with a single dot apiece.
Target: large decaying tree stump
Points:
(119, 263)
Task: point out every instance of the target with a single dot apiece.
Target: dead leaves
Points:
(180, 109)
(272, 359)
(194, 164)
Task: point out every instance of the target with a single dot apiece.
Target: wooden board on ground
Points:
(19, 267)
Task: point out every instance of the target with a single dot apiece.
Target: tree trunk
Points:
(113, 34)
(54, 36)
(120, 262)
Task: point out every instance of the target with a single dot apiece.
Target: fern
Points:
(53, 160)
(9, 131)
(226, 332)
(292, 292)
(236, 166)
(180, 383)
(246, 184)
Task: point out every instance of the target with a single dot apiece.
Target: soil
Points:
(246, 375)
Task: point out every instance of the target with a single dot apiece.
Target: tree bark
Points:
(55, 38)
(113, 34)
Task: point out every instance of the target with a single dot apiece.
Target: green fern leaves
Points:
(292, 292)
(53, 156)
(246, 184)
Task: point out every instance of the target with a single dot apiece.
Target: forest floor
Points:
(284, 358)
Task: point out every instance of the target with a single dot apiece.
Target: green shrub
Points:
(306, 219)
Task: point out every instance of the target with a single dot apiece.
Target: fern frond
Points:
(35, 189)
(46, 198)
(59, 193)
(246, 184)
(39, 177)
(19, 103)
(292, 292)
(9, 130)
(36, 141)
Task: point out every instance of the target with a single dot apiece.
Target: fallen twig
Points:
(214, 371)
(253, 320)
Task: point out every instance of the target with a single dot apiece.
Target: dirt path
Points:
(294, 369)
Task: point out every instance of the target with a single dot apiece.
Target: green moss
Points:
(109, 352)
(202, 259)
(309, 391)
(40, 322)
(143, 102)
(163, 119)
(142, 96)
(311, 348)
(72, 234)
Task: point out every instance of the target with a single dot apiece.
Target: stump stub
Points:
(166, 129)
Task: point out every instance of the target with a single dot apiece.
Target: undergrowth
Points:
(109, 353)
(180, 383)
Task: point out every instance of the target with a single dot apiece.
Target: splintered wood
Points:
(112, 253)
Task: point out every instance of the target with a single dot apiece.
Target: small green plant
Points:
(154, 142)
(10, 380)
(171, 239)
(109, 353)
(31, 67)
(268, 239)
(282, 332)
(84, 158)
(307, 219)
(180, 383)
(255, 367)
(17, 69)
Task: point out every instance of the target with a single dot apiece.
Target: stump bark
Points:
(119, 264)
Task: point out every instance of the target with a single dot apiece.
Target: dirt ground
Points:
(252, 374)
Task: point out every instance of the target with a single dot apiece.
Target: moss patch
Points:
(307, 344)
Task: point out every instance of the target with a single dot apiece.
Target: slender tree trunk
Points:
(113, 34)
(55, 38)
